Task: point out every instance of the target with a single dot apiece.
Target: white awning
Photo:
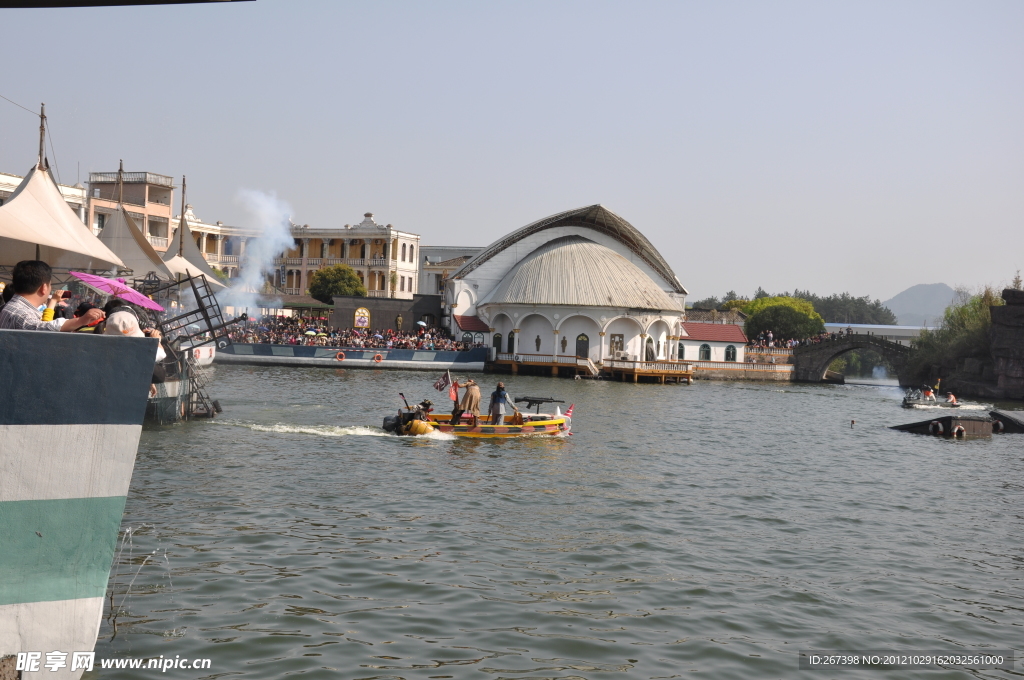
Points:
(183, 246)
(37, 215)
(126, 240)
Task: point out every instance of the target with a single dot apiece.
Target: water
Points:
(703, 531)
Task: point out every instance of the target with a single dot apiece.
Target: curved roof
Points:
(596, 217)
(575, 271)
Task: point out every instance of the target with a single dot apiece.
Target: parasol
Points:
(310, 332)
(321, 335)
(117, 288)
(422, 323)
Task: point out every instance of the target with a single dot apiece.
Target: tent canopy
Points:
(183, 244)
(37, 215)
(126, 240)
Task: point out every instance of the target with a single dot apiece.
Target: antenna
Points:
(42, 133)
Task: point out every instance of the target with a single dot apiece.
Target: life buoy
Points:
(997, 427)
(935, 427)
(377, 358)
(340, 356)
(958, 431)
(196, 353)
(516, 358)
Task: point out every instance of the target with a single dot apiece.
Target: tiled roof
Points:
(715, 332)
(471, 323)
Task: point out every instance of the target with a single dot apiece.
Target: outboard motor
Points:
(391, 423)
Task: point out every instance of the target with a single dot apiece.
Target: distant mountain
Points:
(921, 305)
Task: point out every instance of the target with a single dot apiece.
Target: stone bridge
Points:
(811, 362)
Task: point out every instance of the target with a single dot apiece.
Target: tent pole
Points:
(42, 133)
(181, 236)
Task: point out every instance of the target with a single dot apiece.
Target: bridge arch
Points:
(811, 361)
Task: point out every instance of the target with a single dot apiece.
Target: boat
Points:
(925, 396)
(421, 420)
(961, 425)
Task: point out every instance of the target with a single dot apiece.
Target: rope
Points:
(19, 105)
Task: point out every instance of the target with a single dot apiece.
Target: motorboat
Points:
(926, 396)
(422, 420)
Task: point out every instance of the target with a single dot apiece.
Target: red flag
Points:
(453, 392)
(568, 411)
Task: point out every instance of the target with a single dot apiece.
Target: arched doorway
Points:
(582, 346)
(511, 342)
(649, 353)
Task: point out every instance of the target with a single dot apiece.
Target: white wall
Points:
(717, 350)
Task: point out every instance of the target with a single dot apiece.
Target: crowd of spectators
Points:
(767, 340)
(282, 330)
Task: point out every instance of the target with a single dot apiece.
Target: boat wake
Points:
(329, 430)
(315, 430)
(963, 407)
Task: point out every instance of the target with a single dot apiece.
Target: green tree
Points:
(845, 308)
(339, 279)
(220, 274)
(963, 334)
(785, 317)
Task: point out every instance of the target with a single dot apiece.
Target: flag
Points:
(453, 392)
(443, 382)
(568, 411)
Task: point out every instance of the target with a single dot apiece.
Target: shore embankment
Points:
(343, 357)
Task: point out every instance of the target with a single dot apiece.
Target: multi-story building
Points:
(437, 263)
(146, 196)
(385, 258)
(74, 195)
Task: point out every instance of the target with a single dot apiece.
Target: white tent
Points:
(127, 241)
(36, 215)
(183, 247)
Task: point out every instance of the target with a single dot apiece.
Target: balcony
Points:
(157, 241)
(377, 263)
(132, 178)
(313, 262)
(376, 293)
(293, 291)
(229, 259)
(293, 260)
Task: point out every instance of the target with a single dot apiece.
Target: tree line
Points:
(835, 308)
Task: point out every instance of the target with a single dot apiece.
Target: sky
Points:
(842, 146)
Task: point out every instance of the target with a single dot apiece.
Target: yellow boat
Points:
(419, 421)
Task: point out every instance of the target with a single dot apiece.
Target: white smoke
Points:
(269, 220)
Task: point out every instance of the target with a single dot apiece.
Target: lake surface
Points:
(710, 530)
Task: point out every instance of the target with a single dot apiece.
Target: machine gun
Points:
(537, 401)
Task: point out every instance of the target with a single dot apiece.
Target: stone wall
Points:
(1008, 344)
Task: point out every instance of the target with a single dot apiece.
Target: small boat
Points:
(420, 419)
(926, 397)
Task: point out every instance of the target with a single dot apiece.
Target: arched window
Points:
(478, 338)
(511, 342)
(411, 249)
(467, 337)
(705, 352)
(496, 341)
(403, 252)
(730, 353)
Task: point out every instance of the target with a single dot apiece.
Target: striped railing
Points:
(737, 366)
(770, 351)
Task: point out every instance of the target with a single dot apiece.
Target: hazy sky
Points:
(859, 146)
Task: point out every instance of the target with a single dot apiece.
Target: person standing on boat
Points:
(499, 398)
(471, 401)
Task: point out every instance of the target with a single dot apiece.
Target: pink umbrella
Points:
(118, 288)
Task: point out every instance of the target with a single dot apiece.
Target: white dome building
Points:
(580, 285)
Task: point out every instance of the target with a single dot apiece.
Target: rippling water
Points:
(714, 529)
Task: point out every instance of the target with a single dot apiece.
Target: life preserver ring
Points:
(958, 431)
(340, 356)
(998, 427)
(516, 358)
(195, 353)
(935, 427)
(377, 358)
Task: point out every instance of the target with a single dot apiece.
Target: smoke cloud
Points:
(269, 220)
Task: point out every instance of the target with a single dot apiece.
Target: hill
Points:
(922, 304)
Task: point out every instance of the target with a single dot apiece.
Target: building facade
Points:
(146, 196)
(580, 285)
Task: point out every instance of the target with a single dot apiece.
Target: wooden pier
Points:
(628, 371)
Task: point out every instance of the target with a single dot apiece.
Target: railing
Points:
(377, 263)
(591, 368)
(650, 366)
(158, 241)
(742, 366)
(355, 262)
(212, 257)
(229, 259)
(132, 178)
(313, 262)
(766, 351)
(292, 291)
(331, 261)
(292, 260)
(376, 293)
(504, 356)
